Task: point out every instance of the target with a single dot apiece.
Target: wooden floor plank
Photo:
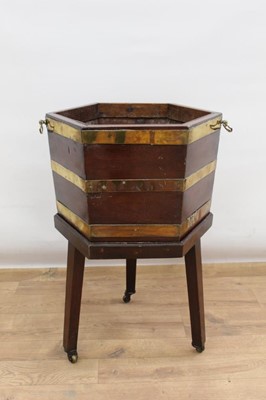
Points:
(226, 389)
(191, 367)
(19, 373)
(29, 327)
(6, 287)
(251, 345)
(138, 350)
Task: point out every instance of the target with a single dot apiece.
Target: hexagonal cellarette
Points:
(133, 181)
(133, 172)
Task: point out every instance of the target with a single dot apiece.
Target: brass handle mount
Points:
(45, 122)
(222, 123)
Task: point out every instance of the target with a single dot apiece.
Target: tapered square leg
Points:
(74, 281)
(131, 265)
(195, 296)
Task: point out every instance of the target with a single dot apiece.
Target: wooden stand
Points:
(79, 247)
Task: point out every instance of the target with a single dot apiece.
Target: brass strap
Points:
(133, 185)
(132, 230)
(158, 136)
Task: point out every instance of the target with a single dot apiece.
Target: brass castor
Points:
(199, 349)
(126, 298)
(72, 356)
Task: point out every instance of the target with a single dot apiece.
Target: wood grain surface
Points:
(134, 161)
(133, 207)
(136, 350)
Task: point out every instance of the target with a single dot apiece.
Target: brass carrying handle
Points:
(223, 123)
(45, 122)
(217, 125)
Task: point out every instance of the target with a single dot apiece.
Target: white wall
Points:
(60, 54)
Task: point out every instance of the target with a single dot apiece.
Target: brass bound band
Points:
(174, 231)
(173, 136)
(133, 185)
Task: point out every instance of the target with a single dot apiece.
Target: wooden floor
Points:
(139, 350)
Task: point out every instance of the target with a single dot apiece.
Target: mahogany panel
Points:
(82, 114)
(131, 121)
(68, 153)
(197, 195)
(202, 152)
(149, 207)
(149, 162)
(71, 196)
(184, 114)
(134, 161)
(135, 208)
(132, 110)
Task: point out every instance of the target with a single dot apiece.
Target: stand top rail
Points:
(123, 250)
